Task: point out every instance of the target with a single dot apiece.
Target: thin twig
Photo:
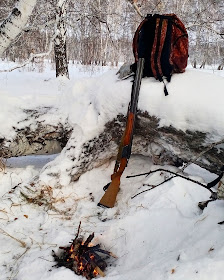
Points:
(32, 56)
(12, 274)
(77, 234)
(171, 172)
(7, 234)
(152, 187)
(208, 148)
(137, 10)
(134, 4)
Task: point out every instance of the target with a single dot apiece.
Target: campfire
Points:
(83, 257)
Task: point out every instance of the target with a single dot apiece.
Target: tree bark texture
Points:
(60, 41)
(13, 25)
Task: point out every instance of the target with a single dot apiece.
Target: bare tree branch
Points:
(30, 59)
(205, 26)
(208, 148)
(135, 5)
(171, 172)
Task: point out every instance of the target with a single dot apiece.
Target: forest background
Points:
(100, 32)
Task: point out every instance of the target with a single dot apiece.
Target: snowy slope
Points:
(160, 234)
(194, 100)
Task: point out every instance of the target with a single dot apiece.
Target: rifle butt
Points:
(109, 198)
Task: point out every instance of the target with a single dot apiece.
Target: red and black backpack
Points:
(162, 40)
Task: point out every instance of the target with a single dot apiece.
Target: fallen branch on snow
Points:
(208, 186)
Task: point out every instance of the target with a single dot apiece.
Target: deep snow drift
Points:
(160, 234)
(90, 102)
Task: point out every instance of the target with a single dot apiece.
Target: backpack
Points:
(162, 40)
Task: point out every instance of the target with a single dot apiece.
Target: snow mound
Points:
(160, 234)
(194, 101)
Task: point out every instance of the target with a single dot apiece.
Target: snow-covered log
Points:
(33, 136)
(11, 27)
(186, 126)
(165, 145)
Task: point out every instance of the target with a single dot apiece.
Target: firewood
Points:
(101, 273)
(82, 258)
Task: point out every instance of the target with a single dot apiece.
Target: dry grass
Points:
(2, 164)
(46, 199)
(22, 243)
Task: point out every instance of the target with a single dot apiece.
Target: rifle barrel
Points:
(124, 152)
(137, 85)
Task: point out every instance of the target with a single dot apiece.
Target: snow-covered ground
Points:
(160, 234)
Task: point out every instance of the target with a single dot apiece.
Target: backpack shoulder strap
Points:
(136, 37)
(160, 36)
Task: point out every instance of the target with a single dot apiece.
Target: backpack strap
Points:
(160, 36)
(157, 48)
(135, 39)
(162, 28)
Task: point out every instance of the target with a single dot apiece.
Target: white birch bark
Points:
(12, 26)
(60, 40)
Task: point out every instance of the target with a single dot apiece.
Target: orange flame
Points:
(91, 257)
(71, 249)
(95, 272)
(81, 267)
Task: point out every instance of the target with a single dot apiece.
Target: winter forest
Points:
(100, 32)
(101, 173)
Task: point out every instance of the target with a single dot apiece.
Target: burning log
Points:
(83, 258)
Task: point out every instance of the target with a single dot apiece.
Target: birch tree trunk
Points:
(13, 25)
(60, 40)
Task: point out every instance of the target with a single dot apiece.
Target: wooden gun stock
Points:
(109, 198)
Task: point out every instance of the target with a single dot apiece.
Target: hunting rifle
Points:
(124, 152)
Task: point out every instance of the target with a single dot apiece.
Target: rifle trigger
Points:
(106, 186)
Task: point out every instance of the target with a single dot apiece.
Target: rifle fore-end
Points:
(129, 129)
(124, 150)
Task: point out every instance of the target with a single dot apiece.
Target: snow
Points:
(188, 103)
(160, 234)
(90, 102)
